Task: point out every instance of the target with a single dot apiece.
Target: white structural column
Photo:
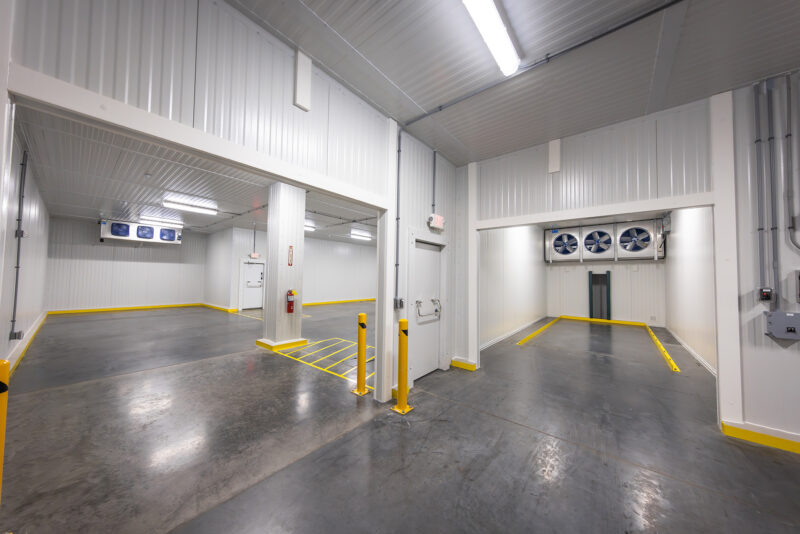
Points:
(729, 353)
(384, 316)
(285, 242)
(473, 250)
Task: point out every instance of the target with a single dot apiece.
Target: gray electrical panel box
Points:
(783, 325)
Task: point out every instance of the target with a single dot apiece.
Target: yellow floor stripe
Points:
(667, 358)
(539, 331)
(663, 351)
(332, 353)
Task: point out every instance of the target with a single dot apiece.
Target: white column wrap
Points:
(285, 218)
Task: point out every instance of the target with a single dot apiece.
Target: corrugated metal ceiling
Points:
(90, 171)
(411, 57)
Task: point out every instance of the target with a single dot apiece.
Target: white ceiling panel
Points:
(584, 90)
(91, 171)
(726, 44)
(417, 56)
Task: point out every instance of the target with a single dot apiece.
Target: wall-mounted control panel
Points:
(783, 325)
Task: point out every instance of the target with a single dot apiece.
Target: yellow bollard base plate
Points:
(401, 411)
(359, 393)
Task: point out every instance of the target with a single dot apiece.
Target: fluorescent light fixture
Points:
(360, 234)
(160, 220)
(188, 207)
(486, 17)
(309, 226)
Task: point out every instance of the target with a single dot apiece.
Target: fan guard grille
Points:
(634, 239)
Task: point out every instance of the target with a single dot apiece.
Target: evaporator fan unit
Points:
(563, 245)
(636, 240)
(598, 242)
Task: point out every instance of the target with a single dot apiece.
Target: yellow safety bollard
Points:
(402, 406)
(361, 371)
(5, 368)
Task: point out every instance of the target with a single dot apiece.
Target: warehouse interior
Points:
(455, 266)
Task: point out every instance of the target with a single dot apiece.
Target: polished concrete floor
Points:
(584, 429)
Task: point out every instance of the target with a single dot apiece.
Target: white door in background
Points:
(253, 290)
(424, 310)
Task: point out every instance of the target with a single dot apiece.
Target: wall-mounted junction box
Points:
(783, 325)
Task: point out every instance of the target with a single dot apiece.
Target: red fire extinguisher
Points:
(290, 300)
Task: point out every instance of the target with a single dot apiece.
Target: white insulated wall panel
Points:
(637, 290)
(416, 198)
(136, 51)
(245, 94)
(656, 156)
(83, 273)
(511, 281)
(219, 269)
(334, 270)
(769, 370)
(35, 222)
(690, 301)
(241, 247)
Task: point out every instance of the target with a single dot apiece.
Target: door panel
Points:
(424, 309)
(253, 291)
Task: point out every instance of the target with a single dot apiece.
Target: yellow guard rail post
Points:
(5, 368)
(361, 371)
(402, 406)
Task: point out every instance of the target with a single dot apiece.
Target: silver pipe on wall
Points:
(397, 301)
(773, 200)
(14, 334)
(433, 204)
(759, 184)
(788, 169)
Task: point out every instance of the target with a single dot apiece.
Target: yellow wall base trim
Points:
(604, 321)
(463, 365)
(281, 346)
(126, 308)
(229, 310)
(762, 439)
(336, 302)
(138, 308)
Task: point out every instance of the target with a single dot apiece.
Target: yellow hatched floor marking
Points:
(332, 353)
(327, 369)
(342, 360)
(356, 366)
(323, 348)
(306, 346)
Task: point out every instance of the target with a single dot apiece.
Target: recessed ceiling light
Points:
(495, 34)
(188, 207)
(360, 234)
(161, 220)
